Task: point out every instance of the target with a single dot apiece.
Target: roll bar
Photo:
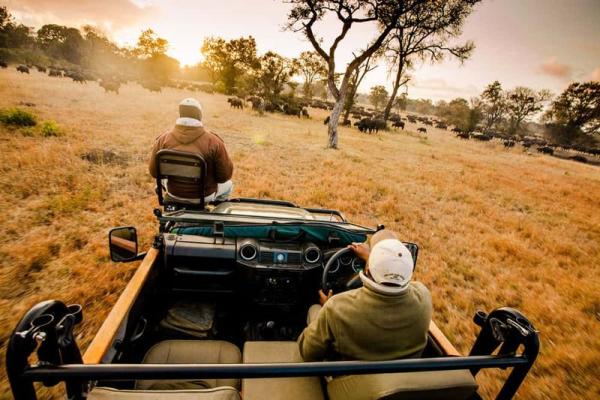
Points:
(47, 329)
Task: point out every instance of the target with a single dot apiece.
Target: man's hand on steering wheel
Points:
(362, 250)
(323, 297)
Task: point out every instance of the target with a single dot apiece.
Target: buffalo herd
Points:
(294, 108)
(365, 120)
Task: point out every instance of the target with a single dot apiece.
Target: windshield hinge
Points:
(219, 230)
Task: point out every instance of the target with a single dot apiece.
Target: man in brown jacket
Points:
(388, 318)
(189, 135)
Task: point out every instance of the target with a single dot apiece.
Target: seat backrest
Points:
(219, 393)
(429, 385)
(187, 169)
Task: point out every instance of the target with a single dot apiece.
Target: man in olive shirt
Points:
(388, 318)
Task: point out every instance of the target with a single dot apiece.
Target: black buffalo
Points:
(110, 86)
(23, 69)
(234, 102)
(368, 125)
(422, 130)
(546, 150)
(579, 158)
(398, 124)
(3, 64)
(482, 137)
(77, 78)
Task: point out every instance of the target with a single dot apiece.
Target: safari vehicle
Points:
(215, 307)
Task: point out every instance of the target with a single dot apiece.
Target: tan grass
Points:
(496, 227)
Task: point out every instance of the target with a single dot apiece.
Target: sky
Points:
(543, 44)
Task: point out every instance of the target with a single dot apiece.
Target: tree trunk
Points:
(350, 96)
(388, 107)
(340, 100)
(333, 123)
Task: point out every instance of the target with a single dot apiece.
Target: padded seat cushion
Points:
(221, 393)
(191, 352)
(430, 385)
(308, 388)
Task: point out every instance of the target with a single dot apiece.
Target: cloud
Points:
(555, 69)
(440, 88)
(110, 15)
(596, 75)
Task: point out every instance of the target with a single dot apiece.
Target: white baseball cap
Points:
(390, 267)
(190, 108)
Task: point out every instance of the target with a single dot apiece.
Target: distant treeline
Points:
(573, 118)
(234, 67)
(88, 49)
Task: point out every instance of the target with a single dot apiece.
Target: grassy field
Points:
(496, 227)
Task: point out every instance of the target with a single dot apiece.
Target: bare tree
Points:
(425, 33)
(383, 13)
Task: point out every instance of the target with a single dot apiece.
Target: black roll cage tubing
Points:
(47, 329)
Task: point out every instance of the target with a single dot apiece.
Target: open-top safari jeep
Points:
(214, 309)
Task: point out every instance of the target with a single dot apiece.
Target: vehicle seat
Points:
(220, 393)
(187, 169)
(191, 352)
(278, 388)
(429, 385)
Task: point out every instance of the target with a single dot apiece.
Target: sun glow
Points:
(186, 55)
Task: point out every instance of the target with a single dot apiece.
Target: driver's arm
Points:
(315, 343)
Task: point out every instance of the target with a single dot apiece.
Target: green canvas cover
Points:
(309, 233)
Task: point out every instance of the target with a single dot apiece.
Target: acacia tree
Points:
(384, 14)
(523, 103)
(493, 104)
(273, 74)
(378, 96)
(456, 112)
(312, 67)
(150, 45)
(229, 61)
(13, 35)
(401, 102)
(578, 107)
(425, 33)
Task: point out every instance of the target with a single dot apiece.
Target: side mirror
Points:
(122, 243)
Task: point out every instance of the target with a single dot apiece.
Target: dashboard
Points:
(264, 272)
(279, 255)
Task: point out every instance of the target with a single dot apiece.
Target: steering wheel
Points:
(352, 283)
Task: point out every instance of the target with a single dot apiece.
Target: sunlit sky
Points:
(536, 43)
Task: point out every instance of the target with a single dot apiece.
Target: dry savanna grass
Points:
(496, 227)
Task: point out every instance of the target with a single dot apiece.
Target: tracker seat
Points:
(185, 169)
(191, 352)
(429, 385)
(301, 388)
(221, 393)
(182, 352)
